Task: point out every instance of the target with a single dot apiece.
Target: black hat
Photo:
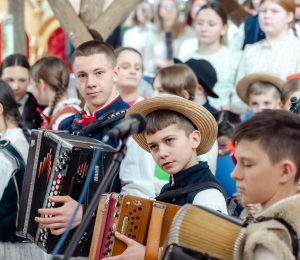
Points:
(205, 73)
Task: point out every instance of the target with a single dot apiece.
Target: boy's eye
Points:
(100, 72)
(267, 103)
(80, 75)
(152, 147)
(170, 140)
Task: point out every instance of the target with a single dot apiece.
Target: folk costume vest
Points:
(10, 201)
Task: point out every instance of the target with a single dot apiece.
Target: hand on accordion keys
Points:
(134, 251)
(57, 219)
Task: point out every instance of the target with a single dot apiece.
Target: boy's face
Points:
(95, 80)
(257, 180)
(260, 102)
(172, 150)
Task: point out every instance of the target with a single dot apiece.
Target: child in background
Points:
(260, 90)
(50, 79)
(130, 62)
(290, 89)
(15, 69)
(14, 147)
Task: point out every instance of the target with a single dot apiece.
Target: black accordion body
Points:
(57, 165)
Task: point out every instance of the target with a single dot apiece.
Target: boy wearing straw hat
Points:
(260, 90)
(177, 131)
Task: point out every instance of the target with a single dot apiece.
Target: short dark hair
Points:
(218, 8)
(278, 133)
(226, 121)
(160, 119)
(95, 47)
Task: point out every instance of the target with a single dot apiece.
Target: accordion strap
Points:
(154, 231)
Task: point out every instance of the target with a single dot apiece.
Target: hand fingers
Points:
(50, 220)
(123, 238)
(53, 211)
(58, 231)
(61, 199)
(55, 225)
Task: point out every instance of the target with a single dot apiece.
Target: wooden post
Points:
(70, 22)
(16, 8)
(115, 15)
(90, 10)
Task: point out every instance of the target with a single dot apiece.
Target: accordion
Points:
(199, 231)
(129, 216)
(57, 165)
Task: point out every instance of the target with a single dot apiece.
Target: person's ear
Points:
(195, 138)
(1, 109)
(41, 85)
(224, 29)
(200, 90)
(290, 17)
(278, 101)
(116, 73)
(281, 105)
(185, 94)
(288, 171)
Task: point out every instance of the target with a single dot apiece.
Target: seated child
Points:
(50, 80)
(226, 121)
(267, 172)
(260, 90)
(207, 78)
(177, 131)
(130, 62)
(290, 89)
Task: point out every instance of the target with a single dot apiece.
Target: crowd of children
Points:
(214, 111)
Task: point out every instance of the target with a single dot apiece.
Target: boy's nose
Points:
(236, 174)
(90, 81)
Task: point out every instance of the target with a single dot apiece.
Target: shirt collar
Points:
(22, 102)
(87, 111)
(275, 43)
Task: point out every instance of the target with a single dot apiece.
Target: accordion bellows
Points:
(207, 231)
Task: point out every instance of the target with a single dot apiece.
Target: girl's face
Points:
(168, 10)
(38, 91)
(287, 105)
(273, 18)
(196, 7)
(209, 26)
(18, 79)
(158, 90)
(144, 13)
(131, 68)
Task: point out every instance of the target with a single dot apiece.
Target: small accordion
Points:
(199, 231)
(57, 165)
(129, 216)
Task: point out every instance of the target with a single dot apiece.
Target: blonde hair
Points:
(175, 79)
(55, 73)
(259, 88)
(289, 6)
(178, 28)
(289, 88)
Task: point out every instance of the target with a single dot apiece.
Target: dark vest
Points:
(198, 173)
(10, 201)
(253, 33)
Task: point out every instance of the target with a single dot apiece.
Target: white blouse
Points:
(7, 162)
(279, 56)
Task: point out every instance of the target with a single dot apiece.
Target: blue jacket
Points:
(198, 173)
(253, 33)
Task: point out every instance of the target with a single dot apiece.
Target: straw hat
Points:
(260, 76)
(202, 119)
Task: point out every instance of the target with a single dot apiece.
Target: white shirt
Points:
(7, 162)
(71, 102)
(280, 56)
(22, 102)
(188, 46)
(137, 36)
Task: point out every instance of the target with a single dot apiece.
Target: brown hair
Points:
(259, 88)
(10, 106)
(121, 49)
(160, 119)
(55, 73)
(278, 133)
(178, 28)
(218, 8)
(176, 78)
(289, 6)
(95, 47)
(289, 88)
(14, 60)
